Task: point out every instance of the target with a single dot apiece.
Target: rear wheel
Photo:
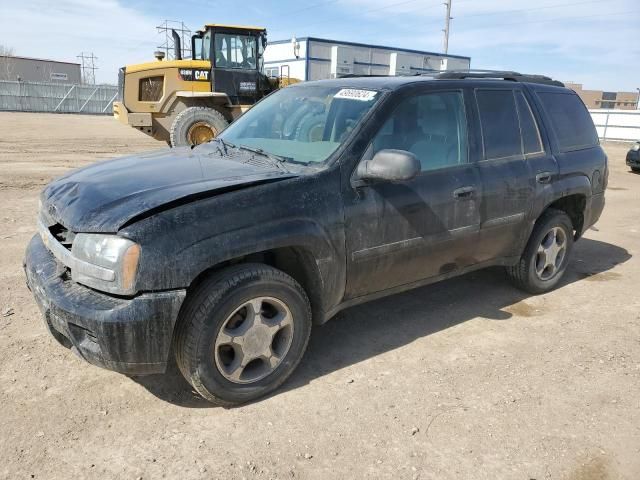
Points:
(196, 125)
(242, 332)
(546, 256)
(635, 169)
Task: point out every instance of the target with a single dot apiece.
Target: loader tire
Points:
(196, 125)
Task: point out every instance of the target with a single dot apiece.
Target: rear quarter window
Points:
(570, 120)
(531, 141)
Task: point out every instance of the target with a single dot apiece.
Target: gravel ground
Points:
(468, 378)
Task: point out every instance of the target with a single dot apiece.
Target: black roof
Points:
(480, 78)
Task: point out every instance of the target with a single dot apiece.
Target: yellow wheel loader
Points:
(188, 102)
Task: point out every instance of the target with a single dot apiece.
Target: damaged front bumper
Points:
(127, 335)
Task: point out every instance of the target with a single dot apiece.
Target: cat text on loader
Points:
(188, 102)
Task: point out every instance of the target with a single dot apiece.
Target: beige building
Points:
(599, 99)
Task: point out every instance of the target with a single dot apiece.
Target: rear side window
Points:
(570, 120)
(499, 120)
(530, 133)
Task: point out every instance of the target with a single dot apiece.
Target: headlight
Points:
(117, 257)
(636, 147)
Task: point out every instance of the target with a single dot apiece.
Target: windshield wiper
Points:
(223, 150)
(223, 145)
(276, 158)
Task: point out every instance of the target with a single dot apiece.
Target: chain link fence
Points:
(56, 98)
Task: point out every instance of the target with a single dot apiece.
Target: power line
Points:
(309, 7)
(371, 10)
(563, 19)
(458, 17)
(521, 10)
(422, 7)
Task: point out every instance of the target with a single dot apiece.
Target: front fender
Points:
(181, 243)
(302, 234)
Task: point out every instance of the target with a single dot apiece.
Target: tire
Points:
(198, 118)
(635, 169)
(526, 273)
(214, 311)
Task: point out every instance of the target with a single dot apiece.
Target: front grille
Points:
(64, 236)
(151, 89)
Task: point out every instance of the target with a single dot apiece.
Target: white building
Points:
(311, 58)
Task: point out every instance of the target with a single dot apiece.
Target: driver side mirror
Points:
(389, 166)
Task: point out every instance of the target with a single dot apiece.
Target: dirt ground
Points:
(466, 379)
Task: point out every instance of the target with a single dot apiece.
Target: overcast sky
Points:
(593, 42)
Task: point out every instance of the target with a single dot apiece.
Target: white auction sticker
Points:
(355, 94)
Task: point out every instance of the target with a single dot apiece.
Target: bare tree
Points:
(7, 63)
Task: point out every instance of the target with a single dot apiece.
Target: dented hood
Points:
(105, 196)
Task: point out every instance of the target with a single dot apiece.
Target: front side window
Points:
(432, 126)
(302, 124)
(235, 51)
(499, 121)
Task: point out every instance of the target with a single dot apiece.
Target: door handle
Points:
(543, 177)
(464, 192)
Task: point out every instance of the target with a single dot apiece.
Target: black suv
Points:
(324, 195)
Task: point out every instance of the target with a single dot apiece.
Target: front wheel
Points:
(196, 125)
(242, 332)
(546, 256)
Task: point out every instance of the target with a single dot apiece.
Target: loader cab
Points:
(236, 56)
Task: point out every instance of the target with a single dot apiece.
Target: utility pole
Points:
(447, 22)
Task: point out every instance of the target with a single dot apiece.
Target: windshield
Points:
(235, 51)
(303, 124)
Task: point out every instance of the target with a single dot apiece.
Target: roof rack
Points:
(358, 75)
(495, 74)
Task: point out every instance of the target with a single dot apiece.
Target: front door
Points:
(401, 233)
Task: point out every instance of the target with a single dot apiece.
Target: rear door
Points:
(538, 153)
(506, 175)
(400, 233)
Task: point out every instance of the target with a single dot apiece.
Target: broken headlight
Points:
(117, 256)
